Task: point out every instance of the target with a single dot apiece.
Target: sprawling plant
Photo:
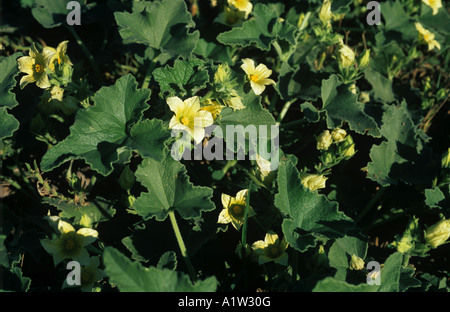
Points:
(237, 145)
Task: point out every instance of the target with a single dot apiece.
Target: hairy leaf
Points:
(131, 276)
(8, 71)
(262, 30)
(101, 132)
(169, 188)
(306, 212)
(183, 79)
(162, 25)
(341, 105)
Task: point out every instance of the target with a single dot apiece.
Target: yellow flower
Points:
(338, 135)
(438, 233)
(271, 249)
(242, 5)
(56, 93)
(234, 209)
(445, 161)
(234, 101)
(356, 263)
(189, 117)
(222, 73)
(313, 181)
(34, 66)
(349, 151)
(58, 55)
(325, 14)
(89, 275)
(404, 245)
(365, 59)
(426, 36)
(266, 173)
(258, 76)
(434, 4)
(346, 55)
(70, 243)
(324, 140)
(213, 107)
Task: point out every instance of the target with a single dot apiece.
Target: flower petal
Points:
(226, 199)
(248, 66)
(65, 227)
(257, 88)
(175, 104)
(224, 217)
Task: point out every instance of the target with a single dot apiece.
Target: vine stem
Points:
(284, 110)
(148, 74)
(183, 250)
(87, 53)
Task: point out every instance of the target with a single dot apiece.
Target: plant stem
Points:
(244, 227)
(183, 250)
(284, 111)
(87, 53)
(151, 67)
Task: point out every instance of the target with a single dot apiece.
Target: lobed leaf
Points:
(131, 276)
(262, 30)
(8, 71)
(161, 25)
(169, 188)
(109, 127)
(306, 212)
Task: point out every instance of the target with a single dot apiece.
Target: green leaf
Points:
(148, 137)
(343, 248)
(390, 273)
(381, 86)
(306, 212)
(8, 71)
(390, 279)
(98, 210)
(297, 83)
(341, 105)
(13, 280)
(162, 25)
(103, 131)
(169, 188)
(183, 79)
(251, 118)
(397, 21)
(330, 284)
(402, 156)
(131, 276)
(433, 197)
(262, 30)
(213, 51)
(51, 13)
(168, 261)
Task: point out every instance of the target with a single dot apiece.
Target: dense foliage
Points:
(359, 112)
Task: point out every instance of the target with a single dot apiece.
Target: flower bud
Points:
(324, 140)
(438, 233)
(313, 181)
(338, 135)
(327, 158)
(356, 263)
(349, 151)
(346, 55)
(222, 73)
(325, 14)
(446, 159)
(404, 245)
(364, 61)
